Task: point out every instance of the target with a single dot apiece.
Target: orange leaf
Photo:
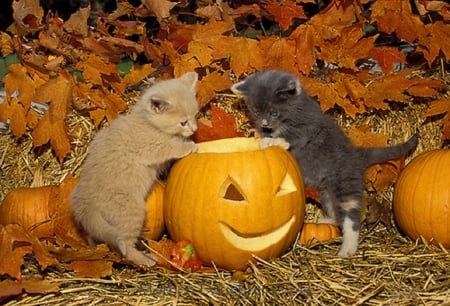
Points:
(13, 111)
(222, 126)
(15, 242)
(347, 10)
(91, 268)
(279, 53)
(285, 12)
(18, 82)
(387, 57)
(110, 105)
(305, 47)
(52, 127)
(10, 288)
(397, 16)
(209, 85)
(441, 107)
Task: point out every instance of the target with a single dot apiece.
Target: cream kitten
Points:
(124, 161)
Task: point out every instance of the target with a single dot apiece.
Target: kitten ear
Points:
(290, 89)
(240, 88)
(158, 104)
(190, 78)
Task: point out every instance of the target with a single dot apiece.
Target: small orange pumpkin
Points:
(154, 221)
(43, 211)
(422, 198)
(313, 232)
(233, 200)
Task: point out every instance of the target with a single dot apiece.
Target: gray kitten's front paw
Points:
(270, 142)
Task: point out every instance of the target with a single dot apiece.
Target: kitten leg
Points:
(137, 257)
(350, 226)
(270, 142)
(327, 201)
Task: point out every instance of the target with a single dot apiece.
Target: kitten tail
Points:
(378, 155)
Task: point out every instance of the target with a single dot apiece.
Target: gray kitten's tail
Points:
(378, 155)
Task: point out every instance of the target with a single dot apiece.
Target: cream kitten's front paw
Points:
(190, 147)
(270, 142)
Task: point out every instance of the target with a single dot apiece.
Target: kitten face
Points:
(267, 96)
(171, 105)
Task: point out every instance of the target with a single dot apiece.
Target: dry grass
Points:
(389, 268)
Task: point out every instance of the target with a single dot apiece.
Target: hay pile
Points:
(388, 269)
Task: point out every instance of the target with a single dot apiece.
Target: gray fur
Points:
(281, 108)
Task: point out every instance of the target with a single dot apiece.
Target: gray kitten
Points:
(285, 115)
(125, 159)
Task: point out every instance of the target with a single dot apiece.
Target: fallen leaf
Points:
(78, 22)
(91, 268)
(210, 84)
(9, 288)
(15, 243)
(222, 126)
(52, 127)
(285, 12)
(161, 8)
(387, 57)
(441, 107)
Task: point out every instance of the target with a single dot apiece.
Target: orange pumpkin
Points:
(313, 232)
(233, 200)
(154, 221)
(43, 211)
(422, 198)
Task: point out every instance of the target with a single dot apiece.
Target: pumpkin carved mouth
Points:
(255, 242)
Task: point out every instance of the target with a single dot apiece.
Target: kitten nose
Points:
(264, 122)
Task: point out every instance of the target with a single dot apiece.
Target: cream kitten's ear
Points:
(158, 104)
(240, 88)
(190, 78)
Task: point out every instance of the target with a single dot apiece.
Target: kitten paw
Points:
(270, 142)
(326, 220)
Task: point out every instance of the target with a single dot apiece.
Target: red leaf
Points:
(222, 125)
(387, 57)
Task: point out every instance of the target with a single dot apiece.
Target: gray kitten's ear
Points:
(158, 104)
(290, 89)
(240, 88)
(190, 78)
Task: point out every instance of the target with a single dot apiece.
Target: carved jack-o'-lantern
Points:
(232, 200)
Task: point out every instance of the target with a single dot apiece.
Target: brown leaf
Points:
(222, 126)
(348, 11)
(91, 268)
(27, 15)
(13, 111)
(52, 127)
(110, 105)
(278, 53)
(441, 107)
(161, 8)
(77, 23)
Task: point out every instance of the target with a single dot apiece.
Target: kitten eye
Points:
(274, 114)
(184, 123)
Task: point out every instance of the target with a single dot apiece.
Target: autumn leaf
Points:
(52, 127)
(210, 84)
(19, 83)
(221, 125)
(10, 288)
(91, 268)
(14, 243)
(285, 12)
(161, 8)
(441, 107)
(78, 22)
(387, 57)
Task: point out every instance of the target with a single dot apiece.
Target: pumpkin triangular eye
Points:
(286, 186)
(230, 192)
